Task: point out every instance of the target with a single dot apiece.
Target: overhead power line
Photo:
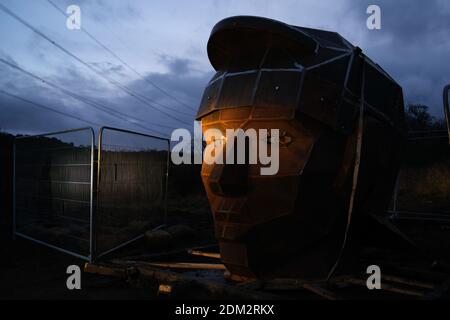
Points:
(39, 105)
(124, 62)
(113, 82)
(96, 105)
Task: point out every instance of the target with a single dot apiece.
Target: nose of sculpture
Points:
(230, 180)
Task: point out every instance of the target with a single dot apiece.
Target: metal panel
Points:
(131, 187)
(278, 89)
(53, 183)
(422, 183)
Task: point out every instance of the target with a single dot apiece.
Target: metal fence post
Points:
(91, 206)
(167, 182)
(14, 192)
(446, 110)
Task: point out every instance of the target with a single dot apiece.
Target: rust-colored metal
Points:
(308, 84)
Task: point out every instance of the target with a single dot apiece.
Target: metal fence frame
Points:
(435, 134)
(94, 183)
(394, 210)
(91, 207)
(99, 166)
(447, 109)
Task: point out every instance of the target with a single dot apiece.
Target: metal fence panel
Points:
(53, 184)
(423, 184)
(131, 187)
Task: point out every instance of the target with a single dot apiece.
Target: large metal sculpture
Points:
(340, 117)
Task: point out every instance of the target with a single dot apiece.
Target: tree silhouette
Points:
(418, 118)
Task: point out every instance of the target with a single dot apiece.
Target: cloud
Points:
(179, 66)
(179, 81)
(413, 45)
(109, 68)
(182, 81)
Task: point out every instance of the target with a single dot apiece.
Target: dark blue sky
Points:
(165, 41)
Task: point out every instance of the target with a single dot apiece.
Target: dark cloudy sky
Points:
(165, 41)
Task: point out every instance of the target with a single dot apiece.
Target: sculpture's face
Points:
(235, 191)
(242, 200)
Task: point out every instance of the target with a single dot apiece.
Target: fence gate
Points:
(53, 188)
(131, 187)
(84, 201)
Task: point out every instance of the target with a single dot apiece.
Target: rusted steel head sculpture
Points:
(309, 84)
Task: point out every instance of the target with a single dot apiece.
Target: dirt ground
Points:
(32, 271)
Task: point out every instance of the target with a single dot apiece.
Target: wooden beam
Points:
(204, 254)
(169, 254)
(175, 265)
(108, 270)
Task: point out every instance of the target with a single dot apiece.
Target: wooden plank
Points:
(168, 254)
(204, 254)
(108, 270)
(187, 265)
(176, 265)
(236, 278)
